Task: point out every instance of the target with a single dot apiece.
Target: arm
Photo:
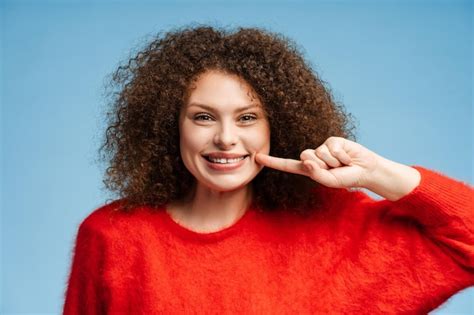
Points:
(427, 237)
(444, 208)
(392, 180)
(442, 205)
(422, 232)
(83, 294)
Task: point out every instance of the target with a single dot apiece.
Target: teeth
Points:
(225, 161)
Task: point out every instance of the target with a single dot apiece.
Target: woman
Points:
(236, 170)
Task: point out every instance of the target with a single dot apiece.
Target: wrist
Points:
(392, 180)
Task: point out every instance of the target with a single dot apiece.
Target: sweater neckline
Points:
(189, 234)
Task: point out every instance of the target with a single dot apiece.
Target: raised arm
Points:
(420, 237)
(444, 208)
(427, 237)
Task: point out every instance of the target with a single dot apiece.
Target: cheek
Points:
(193, 139)
(259, 140)
(264, 136)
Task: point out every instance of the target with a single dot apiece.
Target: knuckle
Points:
(306, 154)
(335, 150)
(319, 162)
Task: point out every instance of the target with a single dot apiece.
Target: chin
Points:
(226, 187)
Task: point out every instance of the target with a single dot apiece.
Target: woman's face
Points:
(221, 128)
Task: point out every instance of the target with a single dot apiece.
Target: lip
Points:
(223, 155)
(225, 167)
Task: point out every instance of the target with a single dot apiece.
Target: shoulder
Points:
(333, 205)
(111, 219)
(340, 207)
(100, 216)
(336, 199)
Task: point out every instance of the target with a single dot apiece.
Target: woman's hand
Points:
(337, 163)
(341, 163)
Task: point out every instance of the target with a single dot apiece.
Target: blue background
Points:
(403, 68)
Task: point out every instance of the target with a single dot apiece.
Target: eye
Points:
(248, 117)
(202, 117)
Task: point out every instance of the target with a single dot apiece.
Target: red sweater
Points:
(354, 255)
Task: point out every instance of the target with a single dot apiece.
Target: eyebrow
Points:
(241, 109)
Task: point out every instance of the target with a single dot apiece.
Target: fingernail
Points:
(309, 167)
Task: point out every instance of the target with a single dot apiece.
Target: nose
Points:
(226, 136)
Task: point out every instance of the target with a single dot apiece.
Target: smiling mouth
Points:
(225, 161)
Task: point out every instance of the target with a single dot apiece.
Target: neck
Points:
(208, 210)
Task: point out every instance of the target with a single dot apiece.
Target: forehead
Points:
(221, 90)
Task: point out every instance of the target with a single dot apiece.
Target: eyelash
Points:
(206, 115)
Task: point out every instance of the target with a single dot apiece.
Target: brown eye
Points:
(248, 118)
(202, 117)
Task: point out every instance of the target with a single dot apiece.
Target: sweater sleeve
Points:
(444, 208)
(437, 221)
(83, 293)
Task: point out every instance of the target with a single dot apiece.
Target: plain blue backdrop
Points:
(402, 68)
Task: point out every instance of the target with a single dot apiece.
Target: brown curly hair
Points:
(141, 145)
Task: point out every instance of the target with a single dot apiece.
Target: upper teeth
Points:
(224, 161)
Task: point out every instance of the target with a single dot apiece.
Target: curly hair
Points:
(141, 145)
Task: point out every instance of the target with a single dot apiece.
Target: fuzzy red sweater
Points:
(354, 255)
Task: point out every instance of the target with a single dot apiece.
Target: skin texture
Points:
(219, 197)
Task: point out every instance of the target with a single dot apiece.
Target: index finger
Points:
(281, 164)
